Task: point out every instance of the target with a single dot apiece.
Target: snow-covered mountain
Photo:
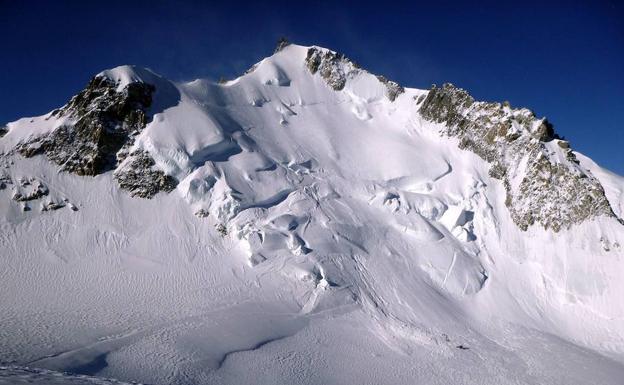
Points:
(307, 222)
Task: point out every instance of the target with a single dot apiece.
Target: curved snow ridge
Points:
(126, 74)
(27, 129)
(294, 64)
(166, 92)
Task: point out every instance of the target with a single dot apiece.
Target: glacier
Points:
(307, 222)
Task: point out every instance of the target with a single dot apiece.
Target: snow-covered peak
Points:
(215, 221)
(301, 64)
(181, 126)
(123, 75)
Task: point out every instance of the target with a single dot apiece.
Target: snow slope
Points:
(316, 235)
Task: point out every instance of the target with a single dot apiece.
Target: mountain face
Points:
(543, 179)
(307, 222)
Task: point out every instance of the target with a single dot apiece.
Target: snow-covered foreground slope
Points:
(305, 224)
(16, 375)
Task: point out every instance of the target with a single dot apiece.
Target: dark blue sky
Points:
(563, 60)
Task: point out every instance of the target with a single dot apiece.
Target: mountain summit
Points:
(306, 222)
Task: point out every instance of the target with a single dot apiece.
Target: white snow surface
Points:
(347, 242)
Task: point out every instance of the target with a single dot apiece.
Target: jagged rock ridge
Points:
(523, 150)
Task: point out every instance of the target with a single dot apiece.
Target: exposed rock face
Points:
(336, 69)
(138, 175)
(3, 131)
(393, 89)
(544, 182)
(332, 66)
(104, 120)
(102, 128)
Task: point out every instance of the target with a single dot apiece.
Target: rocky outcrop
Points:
(393, 89)
(336, 69)
(4, 180)
(29, 189)
(102, 124)
(52, 206)
(3, 131)
(333, 67)
(103, 121)
(542, 177)
(138, 175)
